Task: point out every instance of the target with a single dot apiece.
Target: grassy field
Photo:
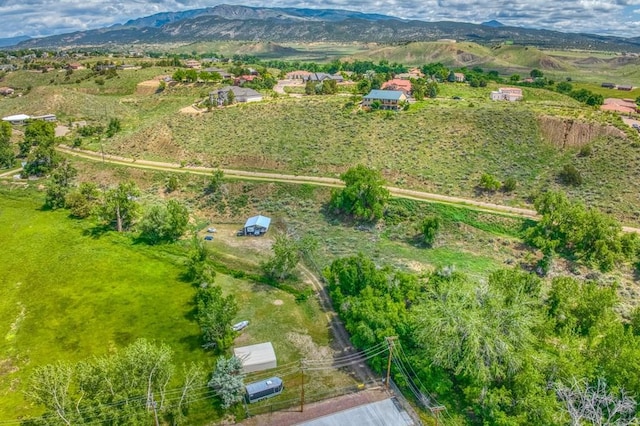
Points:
(67, 293)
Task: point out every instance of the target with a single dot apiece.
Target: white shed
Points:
(256, 357)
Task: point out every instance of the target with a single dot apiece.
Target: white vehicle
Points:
(239, 326)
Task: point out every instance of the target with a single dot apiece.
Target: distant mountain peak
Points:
(493, 24)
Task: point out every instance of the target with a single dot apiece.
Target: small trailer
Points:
(257, 391)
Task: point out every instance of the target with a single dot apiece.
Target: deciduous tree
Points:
(59, 185)
(120, 205)
(164, 222)
(364, 196)
(215, 314)
(7, 155)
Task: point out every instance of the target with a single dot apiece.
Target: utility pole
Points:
(302, 387)
(436, 412)
(390, 343)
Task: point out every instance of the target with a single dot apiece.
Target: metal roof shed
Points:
(257, 225)
(256, 357)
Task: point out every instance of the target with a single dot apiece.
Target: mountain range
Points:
(228, 22)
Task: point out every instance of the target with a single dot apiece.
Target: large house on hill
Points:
(511, 94)
(240, 94)
(321, 76)
(388, 99)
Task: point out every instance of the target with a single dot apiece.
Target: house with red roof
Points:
(397, 84)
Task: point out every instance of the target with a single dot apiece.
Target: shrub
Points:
(570, 175)
(429, 227)
(585, 151)
(509, 185)
(489, 182)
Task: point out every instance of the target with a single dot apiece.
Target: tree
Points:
(215, 314)
(39, 148)
(50, 386)
(564, 87)
(595, 404)
(482, 332)
(429, 227)
(228, 380)
(114, 127)
(120, 205)
(82, 201)
(432, 89)
(164, 222)
(215, 182)
(514, 78)
(536, 73)
(37, 132)
(198, 268)
(7, 156)
(59, 185)
(364, 195)
(287, 251)
(108, 387)
(451, 78)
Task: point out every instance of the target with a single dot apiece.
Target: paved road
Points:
(315, 180)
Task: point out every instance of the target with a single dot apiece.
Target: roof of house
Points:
(259, 220)
(397, 83)
(385, 95)
(261, 353)
(18, 117)
(241, 92)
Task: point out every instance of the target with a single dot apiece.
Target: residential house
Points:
(298, 75)
(17, 119)
(321, 76)
(624, 87)
(623, 106)
(128, 67)
(511, 94)
(192, 63)
(6, 91)
(388, 99)
(224, 74)
(397, 84)
(459, 77)
(608, 85)
(240, 94)
(75, 66)
(239, 81)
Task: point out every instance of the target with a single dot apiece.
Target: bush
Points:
(570, 175)
(585, 151)
(509, 185)
(489, 182)
(430, 226)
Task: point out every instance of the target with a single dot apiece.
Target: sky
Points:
(607, 17)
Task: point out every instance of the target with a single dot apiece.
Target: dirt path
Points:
(342, 341)
(10, 172)
(315, 180)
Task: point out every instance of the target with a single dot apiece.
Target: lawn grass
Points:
(67, 293)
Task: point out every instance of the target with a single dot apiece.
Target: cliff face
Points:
(566, 132)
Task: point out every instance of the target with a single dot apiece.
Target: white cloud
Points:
(45, 17)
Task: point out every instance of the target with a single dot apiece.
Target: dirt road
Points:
(315, 180)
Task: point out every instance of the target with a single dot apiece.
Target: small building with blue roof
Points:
(256, 225)
(388, 99)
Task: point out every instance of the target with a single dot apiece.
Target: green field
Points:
(67, 293)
